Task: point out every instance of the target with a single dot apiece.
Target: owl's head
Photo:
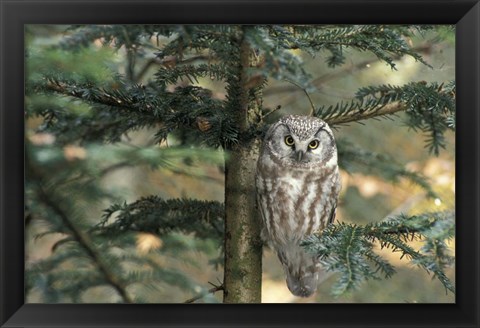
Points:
(301, 141)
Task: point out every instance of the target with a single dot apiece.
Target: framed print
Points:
(239, 163)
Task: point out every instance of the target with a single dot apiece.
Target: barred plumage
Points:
(297, 183)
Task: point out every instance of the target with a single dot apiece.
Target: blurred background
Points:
(364, 198)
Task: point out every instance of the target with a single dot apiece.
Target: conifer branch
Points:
(86, 244)
(383, 41)
(158, 62)
(429, 108)
(348, 249)
(152, 214)
(170, 75)
(321, 80)
(146, 107)
(117, 35)
(92, 94)
(382, 110)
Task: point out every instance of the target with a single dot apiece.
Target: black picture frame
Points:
(15, 14)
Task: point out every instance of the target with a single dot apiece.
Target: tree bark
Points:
(243, 246)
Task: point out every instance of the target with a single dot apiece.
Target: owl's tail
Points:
(302, 270)
(302, 285)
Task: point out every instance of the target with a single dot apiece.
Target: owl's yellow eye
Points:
(289, 141)
(313, 144)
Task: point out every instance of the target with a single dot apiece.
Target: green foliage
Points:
(349, 249)
(384, 41)
(83, 66)
(166, 76)
(117, 34)
(95, 85)
(151, 214)
(429, 108)
(62, 184)
(279, 61)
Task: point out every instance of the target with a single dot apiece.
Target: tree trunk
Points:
(243, 247)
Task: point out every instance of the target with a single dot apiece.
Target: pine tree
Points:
(93, 86)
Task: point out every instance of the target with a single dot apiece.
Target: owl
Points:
(297, 182)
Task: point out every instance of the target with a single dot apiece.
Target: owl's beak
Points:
(300, 154)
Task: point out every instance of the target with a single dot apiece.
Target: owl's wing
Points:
(335, 192)
(333, 213)
(263, 228)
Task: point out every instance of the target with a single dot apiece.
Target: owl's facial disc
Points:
(299, 145)
(300, 151)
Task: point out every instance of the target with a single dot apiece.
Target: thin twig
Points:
(272, 111)
(210, 291)
(194, 175)
(308, 96)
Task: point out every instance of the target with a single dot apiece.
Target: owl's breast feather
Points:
(294, 206)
